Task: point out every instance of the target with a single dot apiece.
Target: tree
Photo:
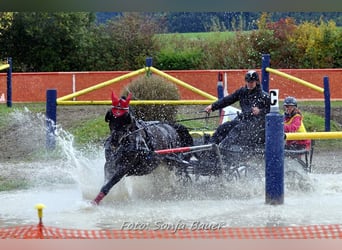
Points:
(39, 41)
(283, 51)
(130, 40)
(6, 19)
(318, 45)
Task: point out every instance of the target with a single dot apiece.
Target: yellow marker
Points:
(39, 208)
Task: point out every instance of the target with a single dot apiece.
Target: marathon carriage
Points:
(137, 148)
(233, 161)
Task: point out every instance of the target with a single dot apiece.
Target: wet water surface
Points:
(67, 182)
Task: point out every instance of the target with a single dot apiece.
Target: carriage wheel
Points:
(295, 177)
(251, 167)
(239, 171)
(184, 179)
(232, 174)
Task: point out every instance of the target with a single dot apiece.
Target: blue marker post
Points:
(327, 103)
(9, 83)
(265, 76)
(149, 62)
(220, 90)
(51, 118)
(274, 153)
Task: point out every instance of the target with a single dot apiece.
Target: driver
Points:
(254, 103)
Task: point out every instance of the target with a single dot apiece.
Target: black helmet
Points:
(252, 76)
(290, 101)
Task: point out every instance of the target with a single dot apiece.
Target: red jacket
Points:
(295, 123)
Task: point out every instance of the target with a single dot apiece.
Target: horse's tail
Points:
(184, 135)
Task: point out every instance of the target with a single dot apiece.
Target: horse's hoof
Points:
(98, 198)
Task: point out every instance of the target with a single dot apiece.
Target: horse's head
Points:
(121, 121)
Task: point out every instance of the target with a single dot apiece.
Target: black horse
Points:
(130, 149)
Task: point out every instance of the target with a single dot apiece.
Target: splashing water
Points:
(66, 179)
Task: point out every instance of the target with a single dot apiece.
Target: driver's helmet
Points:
(290, 101)
(252, 75)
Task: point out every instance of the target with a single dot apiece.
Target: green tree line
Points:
(77, 41)
(184, 22)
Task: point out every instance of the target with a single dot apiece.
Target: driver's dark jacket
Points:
(248, 99)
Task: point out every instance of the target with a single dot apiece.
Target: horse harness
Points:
(138, 133)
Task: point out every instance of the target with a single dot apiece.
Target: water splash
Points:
(67, 178)
(84, 167)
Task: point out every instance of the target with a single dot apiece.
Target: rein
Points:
(204, 117)
(182, 120)
(138, 129)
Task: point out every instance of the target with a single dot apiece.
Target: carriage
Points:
(232, 161)
(137, 147)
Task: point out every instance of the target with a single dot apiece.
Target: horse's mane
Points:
(136, 134)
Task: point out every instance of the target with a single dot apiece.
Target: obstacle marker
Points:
(2, 98)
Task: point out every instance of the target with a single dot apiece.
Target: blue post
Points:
(220, 90)
(265, 76)
(51, 118)
(327, 103)
(274, 153)
(149, 62)
(9, 83)
(220, 93)
(148, 65)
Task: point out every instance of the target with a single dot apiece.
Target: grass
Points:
(318, 103)
(207, 36)
(174, 40)
(90, 131)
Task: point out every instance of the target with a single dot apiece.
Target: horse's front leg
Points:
(115, 170)
(117, 175)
